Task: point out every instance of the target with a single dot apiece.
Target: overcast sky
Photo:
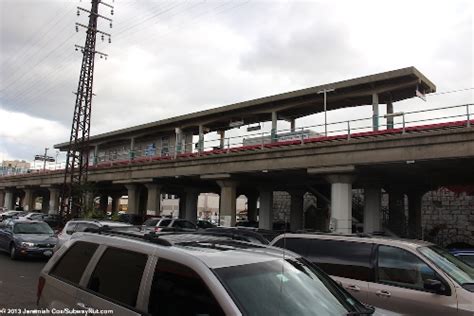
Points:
(174, 57)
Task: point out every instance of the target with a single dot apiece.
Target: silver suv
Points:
(186, 274)
(410, 277)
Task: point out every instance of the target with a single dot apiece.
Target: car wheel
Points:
(13, 254)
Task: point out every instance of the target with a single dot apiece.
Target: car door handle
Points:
(353, 287)
(383, 293)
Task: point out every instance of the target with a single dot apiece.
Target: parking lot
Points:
(18, 281)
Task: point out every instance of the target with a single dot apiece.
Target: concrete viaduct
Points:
(178, 156)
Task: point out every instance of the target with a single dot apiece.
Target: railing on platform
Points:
(399, 123)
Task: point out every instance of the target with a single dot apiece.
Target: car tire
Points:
(13, 253)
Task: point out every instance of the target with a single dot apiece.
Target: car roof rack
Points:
(160, 238)
(115, 231)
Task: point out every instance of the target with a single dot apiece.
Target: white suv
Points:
(186, 274)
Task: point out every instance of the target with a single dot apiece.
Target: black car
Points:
(27, 238)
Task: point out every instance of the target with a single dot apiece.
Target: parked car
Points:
(26, 238)
(11, 214)
(175, 274)
(203, 224)
(34, 216)
(249, 235)
(54, 221)
(409, 277)
(158, 224)
(81, 225)
(466, 255)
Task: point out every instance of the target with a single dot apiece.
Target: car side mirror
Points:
(433, 285)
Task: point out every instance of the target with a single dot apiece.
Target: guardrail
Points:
(396, 123)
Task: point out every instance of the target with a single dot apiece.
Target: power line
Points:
(448, 92)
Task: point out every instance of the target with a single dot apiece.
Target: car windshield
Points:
(151, 222)
(286, 287)
(461, 272)
(469, 259)
(32, 228)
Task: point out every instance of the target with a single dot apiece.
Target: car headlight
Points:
(27, 244)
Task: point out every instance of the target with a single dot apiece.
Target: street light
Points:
(45, 155)
(325, 91)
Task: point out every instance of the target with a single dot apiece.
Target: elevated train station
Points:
(398, 152)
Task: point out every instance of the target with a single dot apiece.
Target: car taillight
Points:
(158, 229)
(41, 282)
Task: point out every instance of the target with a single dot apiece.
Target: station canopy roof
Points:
(390, 86)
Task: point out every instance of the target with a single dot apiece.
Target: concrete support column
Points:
(116, 203)
(178, 142)
(104, 202)
(53, 201)
(341, 203)
(296, 210)
(252, 199)
(191, 205)
(265, 218)
(45, 203)
(8, 202)
(227, 202)
(274, 127)
(389, 117)
(201, 139)
(375, 111)
(132, 148)
(396, 216)
(292, 125)
(96, 154)
(222, 139)
(133, 198)
(414, 214)
(153, 205)
(372, 206)
(28, 200)
(182, 205)
(2, 198)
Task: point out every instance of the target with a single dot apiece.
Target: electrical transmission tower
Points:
(77, 161)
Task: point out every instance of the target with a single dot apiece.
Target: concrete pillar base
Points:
(252, 199)
(341, 203)
(133, 199)
(265, 218)
(296, 210)
(191, 205)
(227, 203)
(153, 205)
(28, 200)
(372, 206)
(53, 201)
(8, 200)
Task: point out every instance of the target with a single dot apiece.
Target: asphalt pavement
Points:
(18, 281)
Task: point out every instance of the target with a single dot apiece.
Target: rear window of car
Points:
(164, 222)
(341, 258)
(72, 264)
(184, 224)
(118, 274)
(336, 257)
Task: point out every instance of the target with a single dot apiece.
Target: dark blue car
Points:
(27, 238)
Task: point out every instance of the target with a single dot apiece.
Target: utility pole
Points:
(45, 156)
(77, 159)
